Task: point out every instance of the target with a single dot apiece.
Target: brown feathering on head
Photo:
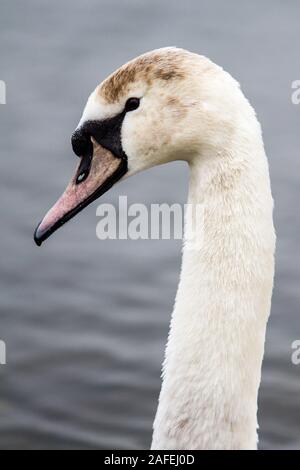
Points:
(165, 64)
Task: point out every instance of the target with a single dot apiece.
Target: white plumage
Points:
(212, 367)
(191, 109)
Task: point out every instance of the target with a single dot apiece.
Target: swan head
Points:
(165, 105)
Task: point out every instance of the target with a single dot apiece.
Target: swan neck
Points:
(212, 367)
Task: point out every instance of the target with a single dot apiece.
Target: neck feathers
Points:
(213, 358)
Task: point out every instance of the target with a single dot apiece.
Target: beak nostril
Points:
(84, 168)
(82, 177)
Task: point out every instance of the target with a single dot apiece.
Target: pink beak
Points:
(85, 187)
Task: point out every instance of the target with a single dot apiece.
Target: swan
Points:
(171, 104)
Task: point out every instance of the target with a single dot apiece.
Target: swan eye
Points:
(132, 104)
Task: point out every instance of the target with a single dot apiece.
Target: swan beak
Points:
(94, 176)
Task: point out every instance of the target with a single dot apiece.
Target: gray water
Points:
(85, 322)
